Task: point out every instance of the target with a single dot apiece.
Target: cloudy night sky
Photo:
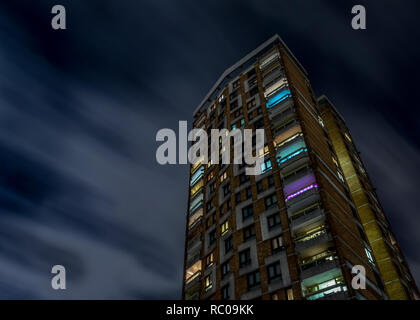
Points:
(80, 109)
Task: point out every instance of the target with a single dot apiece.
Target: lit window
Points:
(223, 177)
(277, 244)
(347, 136)
(210, 260)
(193, 272)
(340, 176)
(266, 166)
(290, 294)
(321, 122)
(369, 256)
(264, 151)
(225, 227)
(210, 175)
(208, 283)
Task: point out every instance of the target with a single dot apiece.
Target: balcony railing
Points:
(190, 281)
(319, 266)
(337, 292)
(312, 240)
(281, 96)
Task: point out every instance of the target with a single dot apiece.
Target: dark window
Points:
(238, 112)
(228, 244)
(225, 269)
(247, 212)
(212, 237)
(226, 189)
(251, 104)
(259, 124)
(270, 201)
(274, 271)
(225, 292)
(248, 193)
(243, 178)
(237, 198)
(236, 84)
(233, 105)
(273, 221)
(270, 181)
(228, 205)
(249, 232)
(209, 205)
(250, 73)
(250, 116)
(213, 187)
(233, 95)
(254, 91)
(277, 244)
(245, 258)
(253, 280)
(259, 186)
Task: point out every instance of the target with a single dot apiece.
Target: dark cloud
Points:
(79, 111)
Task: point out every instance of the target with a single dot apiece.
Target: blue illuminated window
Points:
(266, 166)
(196, 202)
(197, 176)
(279, 97)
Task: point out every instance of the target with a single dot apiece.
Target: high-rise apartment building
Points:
(293, 232)
(396, 276)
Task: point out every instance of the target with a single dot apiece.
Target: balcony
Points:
(197, 176)
(293, 161)
(269, 60)
(279, 97)
(196, 203)
(272, 75)
(321, 265)
(302, 221)
(338, 292)
(285, 132)
(314, 240)
(274, 86)
(194, 243)
(192, 278)
(307, 196)
(290, 150)
(282, 113)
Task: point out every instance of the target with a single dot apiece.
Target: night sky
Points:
(80, 108)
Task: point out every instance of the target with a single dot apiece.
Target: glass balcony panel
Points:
(299, 186)
(284, 133)
(197, 176)
(196, 202)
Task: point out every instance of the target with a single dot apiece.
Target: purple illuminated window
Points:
(299, 184)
